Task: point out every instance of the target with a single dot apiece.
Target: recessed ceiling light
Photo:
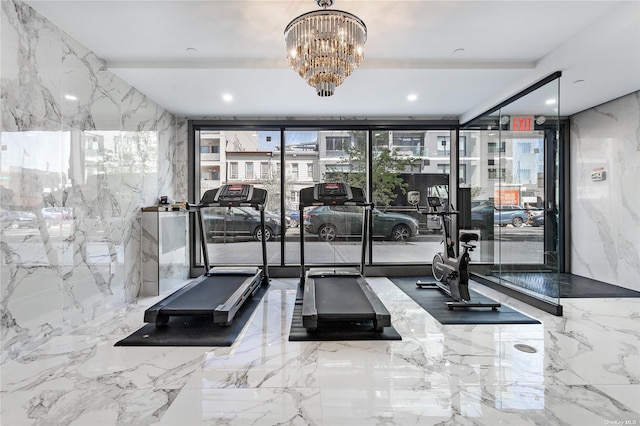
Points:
(192, 50)
(578, 81)
(71, 97)
(412, 97)
(227, 97)
(459, 50)
(550, 101)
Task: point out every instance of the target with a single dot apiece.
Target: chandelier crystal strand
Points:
(324, 47)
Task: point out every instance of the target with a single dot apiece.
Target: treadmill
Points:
(338, 294)
(221, 291)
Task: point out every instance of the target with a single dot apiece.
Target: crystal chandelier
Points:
(325, 46)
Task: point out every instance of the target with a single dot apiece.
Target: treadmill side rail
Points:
(224, 313)
(383, 317)
(309, 308)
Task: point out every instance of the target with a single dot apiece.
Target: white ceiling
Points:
(410, 49)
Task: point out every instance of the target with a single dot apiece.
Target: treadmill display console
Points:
(234, 193)
(333, 192)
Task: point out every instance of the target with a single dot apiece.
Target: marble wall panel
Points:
(605, 213)
(179, 161)
(82, 152)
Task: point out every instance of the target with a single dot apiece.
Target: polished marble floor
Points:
(585, 371)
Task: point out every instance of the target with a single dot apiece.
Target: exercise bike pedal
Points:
(464, 305)
(422, 284)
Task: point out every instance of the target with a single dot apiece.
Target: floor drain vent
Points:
(525, 348)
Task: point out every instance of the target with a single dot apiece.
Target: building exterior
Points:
(493, 167)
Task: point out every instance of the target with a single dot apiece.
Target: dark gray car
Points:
(330, 222)
(238, 222)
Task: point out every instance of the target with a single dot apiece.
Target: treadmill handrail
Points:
(231, 204)
(258, 201)
(360, 201)
(345, 203)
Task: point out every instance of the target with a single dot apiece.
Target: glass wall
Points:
(500, 171)
(407, 166)
(511, 165)
(285, 160)
(332, 233)
(241, 156)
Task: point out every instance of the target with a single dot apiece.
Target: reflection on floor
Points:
(580, 369)
(564, 285)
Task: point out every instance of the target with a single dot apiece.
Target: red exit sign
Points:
(521, 124)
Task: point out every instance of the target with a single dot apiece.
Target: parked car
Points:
(476, 203)
(17, 219)
(57, 213)
(330, 222)
(294, 218)
(514, 215)
(536, 219)
(239, 221)
(502, 215)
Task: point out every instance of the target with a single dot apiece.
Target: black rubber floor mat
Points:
(433, 301)
(194, 331)
(337, 331)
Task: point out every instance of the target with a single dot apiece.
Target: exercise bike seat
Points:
(466, 237)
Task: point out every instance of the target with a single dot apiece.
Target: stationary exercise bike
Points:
(451, 272)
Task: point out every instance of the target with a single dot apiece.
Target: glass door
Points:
(511, 165)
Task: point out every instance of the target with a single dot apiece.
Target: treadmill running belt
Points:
(207, 295)
(337, 295)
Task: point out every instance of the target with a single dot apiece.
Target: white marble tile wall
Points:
(605, 214)
(179, 161)
(82, 152)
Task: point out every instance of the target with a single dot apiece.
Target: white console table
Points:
(164, 251)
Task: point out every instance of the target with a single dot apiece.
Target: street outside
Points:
(511, 245)
(515, 245)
